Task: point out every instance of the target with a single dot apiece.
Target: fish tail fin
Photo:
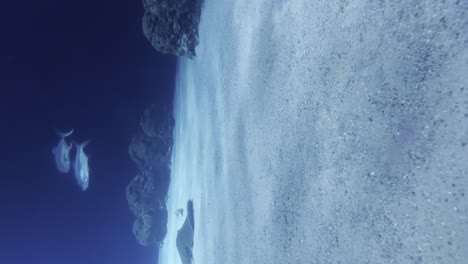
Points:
(64, 134)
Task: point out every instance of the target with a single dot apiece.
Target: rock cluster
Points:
(161, 129)
(150, 149)
(172, 25)
(151, 146)
(150, 225)
(146, 152)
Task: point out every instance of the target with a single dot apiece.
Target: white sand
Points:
(324, 132)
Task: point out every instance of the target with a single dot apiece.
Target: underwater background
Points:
(73, 65)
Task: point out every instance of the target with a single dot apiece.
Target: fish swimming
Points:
(81, 166)
(62, 152)
(184, 239)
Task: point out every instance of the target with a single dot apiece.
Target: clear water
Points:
(324, 132)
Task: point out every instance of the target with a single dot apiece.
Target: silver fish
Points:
(81, 166)
(62, 152)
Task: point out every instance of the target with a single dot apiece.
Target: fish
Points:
(81, 166)
(184, 239)
(62, 152)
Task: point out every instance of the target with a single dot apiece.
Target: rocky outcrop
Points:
(146, 202)
(172, 25)
(141, 194)
(151, 227)
(150, 149)
(147, 152)
(152, 145)
(161, 129)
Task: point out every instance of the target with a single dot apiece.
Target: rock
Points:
(185, 234)
(148, 229)
(154, 129)
(152, 146)
(148, 152)
(146, 201)
(150, 149)
(141, 194)
(172, 25)
(142, 230)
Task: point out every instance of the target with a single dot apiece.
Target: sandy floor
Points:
(324, 132)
